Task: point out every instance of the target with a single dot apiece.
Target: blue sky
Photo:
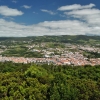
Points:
(49, 17)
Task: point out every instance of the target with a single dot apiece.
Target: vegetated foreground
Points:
(49, 82)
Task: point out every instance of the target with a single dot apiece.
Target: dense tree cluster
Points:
(49, 82)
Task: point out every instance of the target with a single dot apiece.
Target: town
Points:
(73, 59)
(56, 53)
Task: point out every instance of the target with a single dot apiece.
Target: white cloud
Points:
(75, 7)
(4, 10)
(83, 12)
(26, 6)
(63, 27)
(91, 16)
(87, 22)
(14, 1)
(48, 11)
(35, 12)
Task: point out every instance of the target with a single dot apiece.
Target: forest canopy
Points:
(49, 82)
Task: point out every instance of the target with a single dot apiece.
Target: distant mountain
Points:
(61, 38)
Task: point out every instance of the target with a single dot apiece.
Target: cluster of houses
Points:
(63, 56)
(75, 59)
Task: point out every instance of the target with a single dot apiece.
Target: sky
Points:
(21, 18)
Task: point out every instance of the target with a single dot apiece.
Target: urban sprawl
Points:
(64, 56)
